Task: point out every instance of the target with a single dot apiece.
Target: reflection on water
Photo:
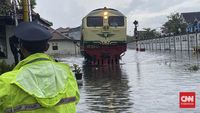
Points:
(107, 89)
(144, 82)
(183, 59)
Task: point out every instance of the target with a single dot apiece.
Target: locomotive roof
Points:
(101, 9)
(104, 9)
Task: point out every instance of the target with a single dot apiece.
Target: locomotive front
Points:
(103, 39)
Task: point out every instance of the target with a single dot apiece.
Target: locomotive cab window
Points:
(94, 21)
(115, 21)
(3, 49)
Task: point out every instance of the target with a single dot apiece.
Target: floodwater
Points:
(144, 82)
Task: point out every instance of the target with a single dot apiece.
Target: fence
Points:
(184, 42)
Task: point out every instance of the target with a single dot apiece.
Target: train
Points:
(103, 36)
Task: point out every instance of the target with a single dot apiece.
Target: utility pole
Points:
(136, 33)
(30, 10)
(25, 10)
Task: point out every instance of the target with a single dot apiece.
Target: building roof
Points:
(36, 16)
(9, 20)
(75, 29)
(76, 36)
(63, 30)
(58, 36)
(190, 17)
(72, 33)
(75, 33)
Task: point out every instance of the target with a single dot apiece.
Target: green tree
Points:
(33, 3)
(130, 38)
(5, 7)
(174, 24)
(149, 33)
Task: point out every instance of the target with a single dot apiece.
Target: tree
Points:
(149, 33)
(33, 3)
(5, 7)
(130, 38)
(174, 24)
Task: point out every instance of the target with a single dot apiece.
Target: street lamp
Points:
(135, 33)
(135, 30)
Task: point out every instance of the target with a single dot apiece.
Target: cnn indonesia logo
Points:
(187, 99)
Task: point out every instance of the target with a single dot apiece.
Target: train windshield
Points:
(94, 21)
(115, 21)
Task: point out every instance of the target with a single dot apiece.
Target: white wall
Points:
(184, 42)
(192, 41)
(181, 42)
(65, 47)
(177, 43)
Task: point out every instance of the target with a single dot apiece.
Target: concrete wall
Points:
(9, 32)
(65, 47)
(180, 42)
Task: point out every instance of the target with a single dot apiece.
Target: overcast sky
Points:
(149, 13)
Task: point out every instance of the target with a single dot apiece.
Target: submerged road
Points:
(144, 82)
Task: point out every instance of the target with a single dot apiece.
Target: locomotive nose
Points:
(105, 27)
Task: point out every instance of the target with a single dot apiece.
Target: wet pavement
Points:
(144, 82)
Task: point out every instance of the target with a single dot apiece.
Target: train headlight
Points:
(105, 17)
(105, 13)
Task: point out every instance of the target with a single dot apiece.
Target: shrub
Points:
(77, 69)
(194, 68)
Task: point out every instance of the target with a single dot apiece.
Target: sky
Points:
(149, 13)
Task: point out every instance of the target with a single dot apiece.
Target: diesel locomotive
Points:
(103, 36)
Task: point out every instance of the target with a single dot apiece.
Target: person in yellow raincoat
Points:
(37, 84)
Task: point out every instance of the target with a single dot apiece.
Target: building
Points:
(7, 26)
(74, 34)
(6, 31)
(64, 31)
(192, 19)
(62, 46)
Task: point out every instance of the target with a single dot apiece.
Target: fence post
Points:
(188, 38)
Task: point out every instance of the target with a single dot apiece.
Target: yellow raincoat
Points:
(38, 84)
